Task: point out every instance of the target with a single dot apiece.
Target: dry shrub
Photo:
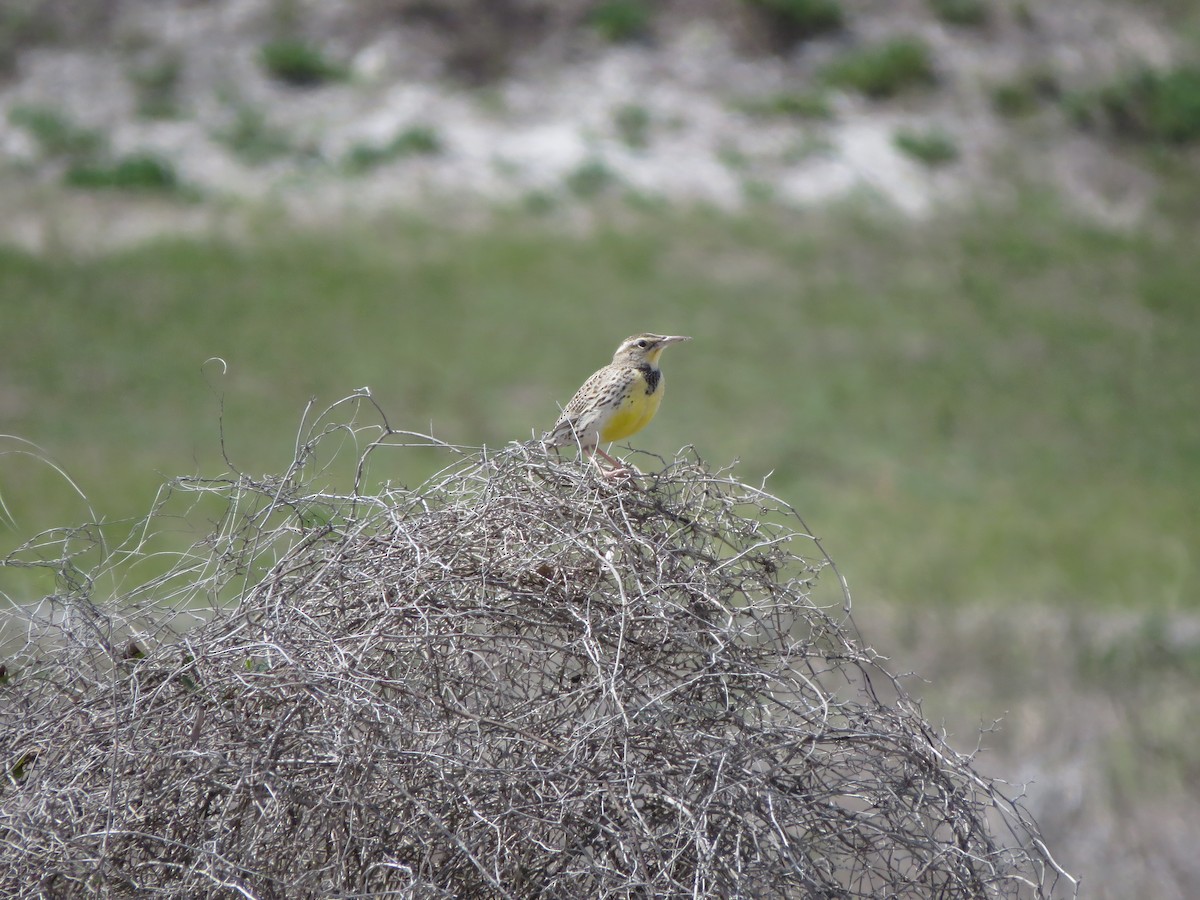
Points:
(519, 680)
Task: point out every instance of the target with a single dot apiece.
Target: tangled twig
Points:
(520, 680)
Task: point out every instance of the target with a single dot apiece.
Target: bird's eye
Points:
(643, 344)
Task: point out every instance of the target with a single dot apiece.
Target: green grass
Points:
(803, 18)
(254, 138)
(798, 104)
(884, 70)
(89, 164)
(964, 13)
(1145, 105)
(619, 21)
(1026, 93)
(23, 25)
(416, 140)
(633, 125)
(933, 148)
(590, 178)
(299, 63)
(156, 83)
(56, 135)
(134, 172)
(993, 406)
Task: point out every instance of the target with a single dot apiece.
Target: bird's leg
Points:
(618, 470)
(615, 463)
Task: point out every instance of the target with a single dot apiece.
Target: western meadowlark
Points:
(617, 401)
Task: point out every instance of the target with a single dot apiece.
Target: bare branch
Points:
(519, 680)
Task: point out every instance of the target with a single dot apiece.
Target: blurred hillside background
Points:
(940, 258)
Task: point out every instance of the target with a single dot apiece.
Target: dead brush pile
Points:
(518, 681)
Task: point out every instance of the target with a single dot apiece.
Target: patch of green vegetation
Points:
(1148, 672)
(757, 191)
(806, 147)
(732, 156)
(156, 85)
(539, 203)
(1148, 105)
(933, 148)
(299, 63)
(591, 178)
(794, 104)
(632, 122)
(22, 25)
(254, 139)
(802, 19)
(1024, 393)
(620, 21)
(965, 13)
(884, 70)
(84, 152)
(56, 135)
(135, 172)
(1023, 95)
(416, 140)
(1152, 647)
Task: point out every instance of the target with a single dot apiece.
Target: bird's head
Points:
(645, 349)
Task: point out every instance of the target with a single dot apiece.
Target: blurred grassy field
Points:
(994, 406)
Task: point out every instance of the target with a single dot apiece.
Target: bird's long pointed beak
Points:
(674, 339)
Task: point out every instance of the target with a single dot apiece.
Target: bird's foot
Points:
(620, 474)
(617, 469)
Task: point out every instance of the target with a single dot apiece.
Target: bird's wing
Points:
(582, 416)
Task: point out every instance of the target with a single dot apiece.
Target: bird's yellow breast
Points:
(635, 411)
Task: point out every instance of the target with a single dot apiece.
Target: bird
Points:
(617, 401)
